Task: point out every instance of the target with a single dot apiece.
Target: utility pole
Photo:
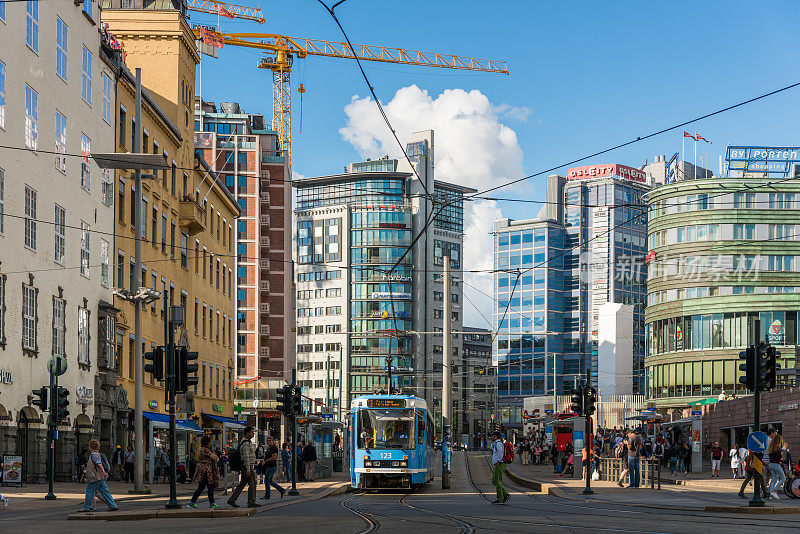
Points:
(447, 384)
(293, 419)
(171, 382)
(138, 421)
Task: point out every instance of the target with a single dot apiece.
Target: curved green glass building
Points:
(723, 263)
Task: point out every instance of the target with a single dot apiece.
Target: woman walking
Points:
(206, 474)
(95, 478)
(735, 460)
(774, 451)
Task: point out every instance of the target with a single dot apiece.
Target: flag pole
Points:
(683, 150)
(694, 177)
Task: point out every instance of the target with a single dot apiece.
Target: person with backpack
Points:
(502, 453)
(95, 476)
(243, 459)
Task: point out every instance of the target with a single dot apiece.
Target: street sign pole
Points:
(51, 430)
(171, 383)
(293, 422)
(757, 501)
(587, 490)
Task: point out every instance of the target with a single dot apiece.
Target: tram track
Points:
(372, 524)
(372, 518)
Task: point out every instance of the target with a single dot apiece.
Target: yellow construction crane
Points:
(215, 7)
(282, 50)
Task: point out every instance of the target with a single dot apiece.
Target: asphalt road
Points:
(465, 508)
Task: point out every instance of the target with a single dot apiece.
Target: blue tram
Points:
(391, 442)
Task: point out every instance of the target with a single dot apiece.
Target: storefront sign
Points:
(600, 171)
(391, 225)
(6, 377)
(114, 43)
(787, 407)
(84, 395)
(678, 337)
(773, 160)
(153, 405)
(12, 470)
(269, 415)
(776, 333)
(393, 295)
(218, 407)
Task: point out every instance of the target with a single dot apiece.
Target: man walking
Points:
(499, 467)
(270, 466)
(247, 452)
(716, 459)
(310, 460)
(634, 451)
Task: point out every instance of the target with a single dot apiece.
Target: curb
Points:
(183, 513)
(753, 509)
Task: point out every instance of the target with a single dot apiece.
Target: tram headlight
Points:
(403, 464)
(395, 464)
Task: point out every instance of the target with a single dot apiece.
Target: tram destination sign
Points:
(386, 403)
(769, 159)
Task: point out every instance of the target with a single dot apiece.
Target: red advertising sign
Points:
(600, 171)
(212, 38)
(113, 42)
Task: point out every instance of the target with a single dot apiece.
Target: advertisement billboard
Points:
(600, 171)
(768, 159)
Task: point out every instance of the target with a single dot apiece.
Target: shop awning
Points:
(162, 420)
(230, 422)
(703, 402)
(684, 421)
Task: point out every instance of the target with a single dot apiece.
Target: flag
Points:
(687, 134)
(701, 138)
(650, 256)
(212, 38)
(225, 13)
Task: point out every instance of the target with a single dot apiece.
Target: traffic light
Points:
(41, 401)
(749, 368)
(589, 400)
(577, 401)
(186, 376)
(156, 368)
(770, 369)
(285, 400)
(297, 401)
(61, 404)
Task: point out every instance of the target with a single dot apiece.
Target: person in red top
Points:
(716, 459)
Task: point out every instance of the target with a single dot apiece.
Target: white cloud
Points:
(472, 147)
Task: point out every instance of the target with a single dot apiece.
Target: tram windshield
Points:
(386, 429)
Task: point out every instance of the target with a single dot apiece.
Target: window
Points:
(172, 239)
(85, 229)
(29, 295)
(122, 114)
(87, 7)
(32, 25)
(781, 231)
(2, 17)
(121, 206)
(104, 268)
(107, 183)
(59, 326)
(87, 76)
(120, 269)
(781, 201)
(2, 90)
(61, 49)
(744, 200)
(163, 232)
(30, 217)
(61, 142)
(83, 336)
(744, 231)
(184, 249)
(107, 91)
(31, 117)
(86, 151)
(59, 225)
(2, 202)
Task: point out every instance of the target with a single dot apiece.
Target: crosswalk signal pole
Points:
(447, 384)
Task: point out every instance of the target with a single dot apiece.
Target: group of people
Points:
(777, 462)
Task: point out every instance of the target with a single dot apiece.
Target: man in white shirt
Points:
(498, 468)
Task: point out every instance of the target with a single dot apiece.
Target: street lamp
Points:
(136, 161)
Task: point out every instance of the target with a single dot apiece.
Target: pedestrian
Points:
(687, 458)
(269, 468)
(634, 452)
(337, 443)
(80, 462)
(118, 461)
(310, 460)
(129, 464)
(498, 468)
(774, 450)
(743, 454)
(286, 459)
(248, 472)
(621, 452)
(95, 476)
(735, 460)
(672, 459)
(538, 454)
(298, 461)
(751, 473)
(716, 459)
(206, 474)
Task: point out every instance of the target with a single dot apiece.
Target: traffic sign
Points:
(326, 416)
(57, 365)
(757, 442)
(548, 408)
(697, 412)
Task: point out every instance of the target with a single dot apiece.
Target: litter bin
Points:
(337, 462)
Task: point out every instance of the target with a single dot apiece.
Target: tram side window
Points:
(420, 429)
(366, 433)
(430, 432)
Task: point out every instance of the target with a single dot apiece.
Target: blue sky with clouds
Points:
(584, 76)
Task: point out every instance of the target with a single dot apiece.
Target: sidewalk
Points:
(697, 494)
(29, 500)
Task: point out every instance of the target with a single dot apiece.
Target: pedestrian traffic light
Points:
(589, 400)
(61, 404)
(186, 375)
(749, 367)
(770, 368)
(156, 367)
(285, 400)
(577, 401)
(41, 401)
(297, 401)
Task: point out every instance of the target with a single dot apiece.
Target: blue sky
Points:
(592, 74)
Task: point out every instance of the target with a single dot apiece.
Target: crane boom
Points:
(283, 49)
(212, 7)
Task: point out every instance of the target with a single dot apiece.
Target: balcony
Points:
(264, 329)
(264, 241)
(192, 217)
(264, 264)
(265, 286)
(264, 352)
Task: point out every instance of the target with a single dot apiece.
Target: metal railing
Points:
(649, 471)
